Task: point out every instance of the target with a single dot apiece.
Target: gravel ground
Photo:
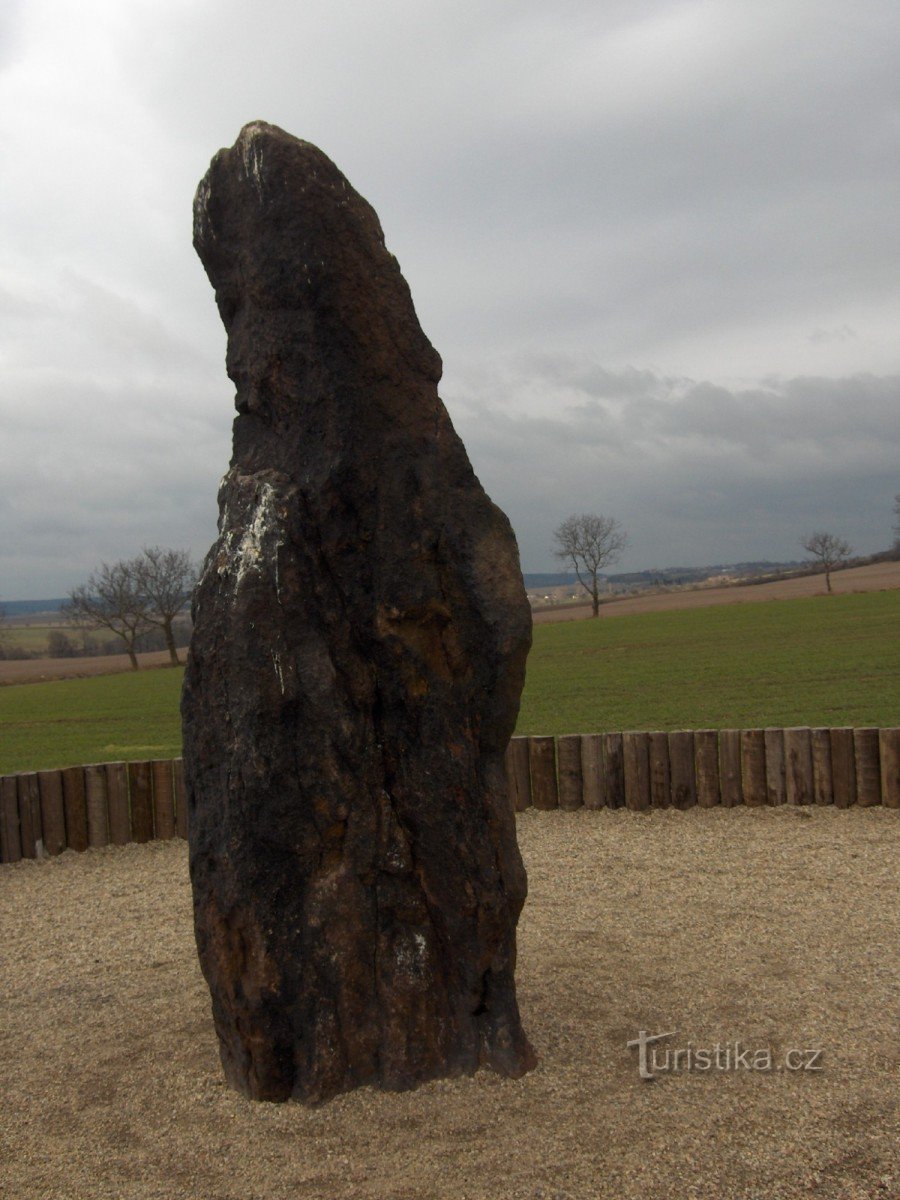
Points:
(774, 928)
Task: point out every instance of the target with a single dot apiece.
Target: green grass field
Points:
(827, 660)
(105, 719)
(32, 637)
(830, 660)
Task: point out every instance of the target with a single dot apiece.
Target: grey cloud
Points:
(697, 473)
(11, 13)
(843, 333)
(655, 244)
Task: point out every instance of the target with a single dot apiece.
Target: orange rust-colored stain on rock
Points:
(237, 943)
(419, 630)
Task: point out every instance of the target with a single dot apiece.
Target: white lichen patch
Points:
(203, 229)
(252, 157)
(251, 543)
(276, 659)
(411, 953)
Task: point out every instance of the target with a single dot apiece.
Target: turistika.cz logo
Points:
(722, 1056)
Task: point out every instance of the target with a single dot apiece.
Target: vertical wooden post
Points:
(843, 767)
(798, 761)
(163, 798)
(140, 793)
(568, 758)
(889, 746)
(96, 801)
(730, 767)
(636, 753)
(29, 815)
(681, 768)
(660, 771)
(592, 777)
(10, 838)
(542, 761)
(53, 815)
(510, 780)
(706, 766)
(614, 769)
(30, 828)
(868, 767)
(776, 771)
(753, 766)
(32, 789)
(75, 808)
(523, 787)
(823, 786)
(117, 798)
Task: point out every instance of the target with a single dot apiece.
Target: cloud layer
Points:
(655, 243)
(697, 473)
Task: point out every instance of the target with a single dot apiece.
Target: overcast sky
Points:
(656, 243)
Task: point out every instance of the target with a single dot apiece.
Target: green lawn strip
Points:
(831, 660)
(108, 718)
(822, 661)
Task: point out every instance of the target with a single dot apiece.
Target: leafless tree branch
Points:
(590, 542)
(829, 549)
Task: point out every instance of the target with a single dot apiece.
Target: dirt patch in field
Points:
(876, 577)
(40, 670)
(773, 928)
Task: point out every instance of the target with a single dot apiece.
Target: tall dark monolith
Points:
(360, 633)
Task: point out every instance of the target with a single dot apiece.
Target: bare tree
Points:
(829, 549)
(166, 579)
(590, 542)
(112, 599)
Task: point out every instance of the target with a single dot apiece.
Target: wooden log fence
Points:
(101, 804)
(46, 812)
(706, 767)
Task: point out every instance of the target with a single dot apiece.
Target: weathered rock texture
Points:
(354, 676)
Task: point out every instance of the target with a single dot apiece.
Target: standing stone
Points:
(360, 634)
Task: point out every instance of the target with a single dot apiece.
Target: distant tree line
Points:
(138, 602)
(590, 542)
(66, 642)
(133, 599)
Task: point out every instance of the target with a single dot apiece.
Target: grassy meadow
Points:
(33, 638)
(828, 660)
(107, 718)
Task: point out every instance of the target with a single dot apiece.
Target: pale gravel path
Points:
(773, 927)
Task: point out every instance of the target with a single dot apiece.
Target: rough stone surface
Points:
(360, 634)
